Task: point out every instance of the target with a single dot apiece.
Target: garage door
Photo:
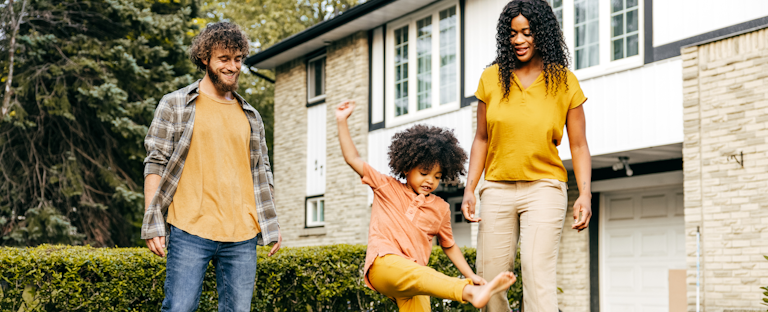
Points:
(642, 238)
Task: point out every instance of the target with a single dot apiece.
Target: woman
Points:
(526, 97)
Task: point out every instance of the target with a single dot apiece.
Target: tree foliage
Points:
(87, 77)
(88, 74)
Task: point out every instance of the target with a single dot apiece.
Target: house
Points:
(676, 123)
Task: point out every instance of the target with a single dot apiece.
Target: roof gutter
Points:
(317, 30)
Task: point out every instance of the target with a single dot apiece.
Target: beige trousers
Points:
(534, 212)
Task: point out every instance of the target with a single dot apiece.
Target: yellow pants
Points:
(411, 285)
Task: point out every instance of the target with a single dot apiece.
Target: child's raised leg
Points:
(411, 284)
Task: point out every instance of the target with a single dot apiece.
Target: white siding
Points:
(480, 21)
(680, 19)
(377, 76)
(316, 150)
(633, 109)
(378, 141)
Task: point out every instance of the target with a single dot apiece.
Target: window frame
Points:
(605, 64)
(310, 79)
(308, 223)
(436, 108)
(624, 13)
(555, 9)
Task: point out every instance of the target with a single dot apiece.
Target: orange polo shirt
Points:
(403, 223)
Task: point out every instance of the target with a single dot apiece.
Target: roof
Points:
(363, 17)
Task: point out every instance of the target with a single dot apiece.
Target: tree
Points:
(87, 75)
(268, 22)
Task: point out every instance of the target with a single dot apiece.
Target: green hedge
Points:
(66, 278)
(765, 293)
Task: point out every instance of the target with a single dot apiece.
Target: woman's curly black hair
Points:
(424, 146)
(547, 38)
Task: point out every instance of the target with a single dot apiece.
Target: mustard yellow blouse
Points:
(525, 129)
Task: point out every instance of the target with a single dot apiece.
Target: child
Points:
(405, 218)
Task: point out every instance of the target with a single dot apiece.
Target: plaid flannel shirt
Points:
(167, 143)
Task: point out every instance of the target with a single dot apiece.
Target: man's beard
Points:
(219, 84)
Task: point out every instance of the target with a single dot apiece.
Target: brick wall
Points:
(725, 112)
(290, 148)
(347, 213)
(346, 197)
(573, 260)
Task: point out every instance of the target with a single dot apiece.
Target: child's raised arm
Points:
(348, 149)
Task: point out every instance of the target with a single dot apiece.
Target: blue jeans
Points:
(188, 257)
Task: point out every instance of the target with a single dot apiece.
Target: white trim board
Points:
(643, 181)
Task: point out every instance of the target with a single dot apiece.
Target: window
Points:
(624, 28)
(424, 59)
(557, 7)
(315, 211)
(401, 71)
(448, 56)
(316, 79)
(604, 36)
(422, 55)
(458, 216)
(587, 29)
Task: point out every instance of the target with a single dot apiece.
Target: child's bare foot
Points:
(478, 296)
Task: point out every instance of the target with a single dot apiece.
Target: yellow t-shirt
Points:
(214, 198)
(525, 129)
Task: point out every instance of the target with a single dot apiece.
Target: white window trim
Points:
(606, 65)
(413, 113)
(307, 212)
(311, 100)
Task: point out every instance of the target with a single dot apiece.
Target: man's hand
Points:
(582, 205)
(276, 247)
(345, 109)
(156, 245)
(477, 280)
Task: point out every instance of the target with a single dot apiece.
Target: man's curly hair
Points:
(223, 35)
(424, 146)
(547, 38)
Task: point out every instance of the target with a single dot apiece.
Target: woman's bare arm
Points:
(476, 164)
(582, 166)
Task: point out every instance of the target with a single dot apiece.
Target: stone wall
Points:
(725, 113)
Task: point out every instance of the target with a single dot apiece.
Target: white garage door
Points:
(642, 238)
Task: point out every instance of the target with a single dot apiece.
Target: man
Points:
(208, 184)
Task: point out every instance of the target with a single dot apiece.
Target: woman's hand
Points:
(583, 206)
(468, 207)
(477, 280)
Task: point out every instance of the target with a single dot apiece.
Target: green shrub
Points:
(66, 278)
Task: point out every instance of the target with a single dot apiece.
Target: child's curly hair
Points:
(224, 35)
(424, 146)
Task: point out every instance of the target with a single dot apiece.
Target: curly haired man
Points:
(208, 185)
